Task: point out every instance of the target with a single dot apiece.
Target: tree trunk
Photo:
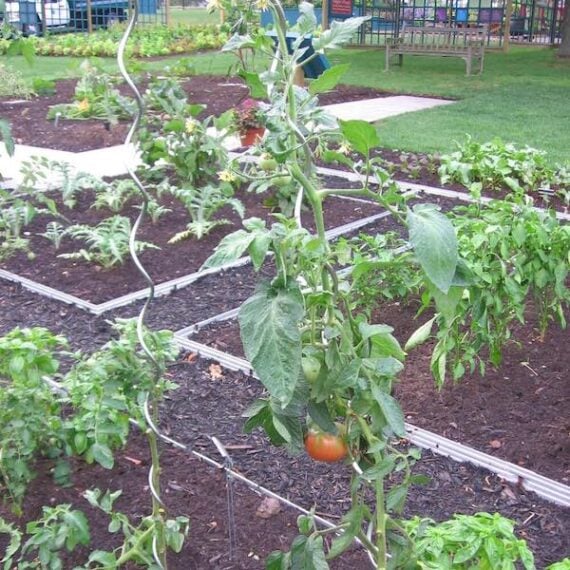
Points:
(564, 50)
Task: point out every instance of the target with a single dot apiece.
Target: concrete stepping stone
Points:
(373, 110)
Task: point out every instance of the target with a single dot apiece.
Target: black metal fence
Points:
(37, 17)
(532, 21)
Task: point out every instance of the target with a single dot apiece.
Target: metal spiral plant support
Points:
(149, 408)
(153, 477)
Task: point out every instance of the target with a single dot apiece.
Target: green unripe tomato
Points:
(267, 163)
(311, 368)
(281, 181)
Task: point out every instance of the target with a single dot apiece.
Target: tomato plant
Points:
(326, 447)
(312, 345)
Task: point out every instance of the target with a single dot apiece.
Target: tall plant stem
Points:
(381, 548)
(158, 510)
(380, 525)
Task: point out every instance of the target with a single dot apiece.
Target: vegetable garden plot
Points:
(454, 487)
(192, 489)
(31, 127)
(434, 171)
(516, 412)
(95, 284)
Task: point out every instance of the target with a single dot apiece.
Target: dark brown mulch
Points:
(92, 283)
(517, 412)
(192, 489)
(30, 125)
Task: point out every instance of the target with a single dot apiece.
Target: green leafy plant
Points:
(95, 98)
(12, 84)
(381, 269)
(512, 254)
(184, 143)
(43, 86)
(59, 527)
(325, 366)
(496, 164)
(137, 546)
(55, 232)
(114, 195)
(107, 242)
(86, 413)
(30, 413)
(145, 41)
(202, 204)
(480, 541)
(110, 386)
(41, 175)
(18, 208)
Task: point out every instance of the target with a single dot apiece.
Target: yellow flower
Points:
(83, 105)
(345, 148)
(226, 176)
(190, 125)
(262, 4)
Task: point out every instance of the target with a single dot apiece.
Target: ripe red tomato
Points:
(327, 447)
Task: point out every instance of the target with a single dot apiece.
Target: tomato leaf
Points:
(328, 79)
(354, 517)
(308, 554)
(254, 238)
(269, 326)
(361, 136)
(434, 241)
(278, 560)
(230, 249)
(390, 409)
(339, 33)
(256, 87)
(319, 413)
(396, 497)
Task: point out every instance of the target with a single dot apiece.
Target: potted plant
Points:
(249, 121)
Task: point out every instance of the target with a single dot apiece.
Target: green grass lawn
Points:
(522, 96)
(180, 15)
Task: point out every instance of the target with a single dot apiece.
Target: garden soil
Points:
(516, 412)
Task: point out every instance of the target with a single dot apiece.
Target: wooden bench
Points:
(466, 43)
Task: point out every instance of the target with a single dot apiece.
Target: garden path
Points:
(373, 110)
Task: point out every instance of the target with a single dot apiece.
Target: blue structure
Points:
(313, 68)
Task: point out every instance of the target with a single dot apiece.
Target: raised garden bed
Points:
(31, 127)
(516, 412)
(91, 283)
(192, 489)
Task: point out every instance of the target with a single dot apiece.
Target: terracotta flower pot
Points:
(251, 136)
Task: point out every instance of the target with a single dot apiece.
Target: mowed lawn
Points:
(523, 96)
